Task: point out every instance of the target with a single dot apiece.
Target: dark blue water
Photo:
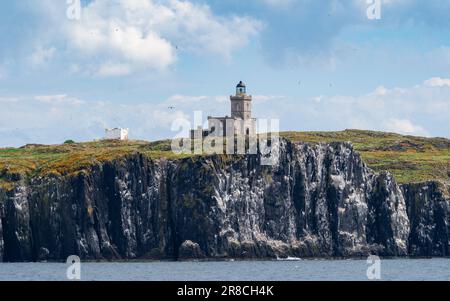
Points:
(395, 269)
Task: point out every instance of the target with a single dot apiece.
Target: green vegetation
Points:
(410, 159)
(71, 158)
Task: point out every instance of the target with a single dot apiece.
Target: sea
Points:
(291, 269)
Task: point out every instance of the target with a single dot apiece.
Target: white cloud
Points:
(222, 99)
(422, 110)
(404, 126)
(195, 28)
(9, 99)
(317, 99)
(258, 99)
(59, 99)
(380, 91)
(437, 82)
(185, 100)
(42, 55)
(208, 105)
(305, 31)
(126, 36)
(53, 119)
(218, 105)
(419, 110)
(113, 69)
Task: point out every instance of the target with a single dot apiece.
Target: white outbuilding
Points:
(116, 134)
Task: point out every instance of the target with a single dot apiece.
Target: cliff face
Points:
(320, 200)
(1, 239)
(429, 211)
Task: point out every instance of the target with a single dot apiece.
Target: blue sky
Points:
(315, 65)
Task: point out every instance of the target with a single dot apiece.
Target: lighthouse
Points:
(241, 122)
(241, 103)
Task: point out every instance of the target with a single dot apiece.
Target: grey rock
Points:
(321, 200)
(16, 225)
(429, 211)
(43, 254)
(1, 233)
(190, 250)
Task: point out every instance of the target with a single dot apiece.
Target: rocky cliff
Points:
(429, 212)
(319, 201)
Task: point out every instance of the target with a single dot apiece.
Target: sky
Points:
(69, 72)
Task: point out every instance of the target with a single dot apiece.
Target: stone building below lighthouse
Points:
(240, 123)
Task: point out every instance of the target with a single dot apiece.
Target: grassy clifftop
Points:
(65, 159)
(410, 159)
